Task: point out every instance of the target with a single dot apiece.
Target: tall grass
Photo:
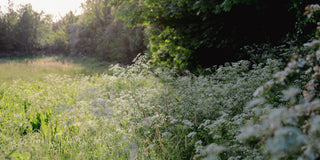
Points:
(128, 113)
(136, 112)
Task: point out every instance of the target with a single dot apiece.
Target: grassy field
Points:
(63, 108)
(36, 68)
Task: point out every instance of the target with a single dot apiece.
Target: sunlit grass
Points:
(126, 112)
(33, 69)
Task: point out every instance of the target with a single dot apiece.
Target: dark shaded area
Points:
(223, 35)
(213, 32)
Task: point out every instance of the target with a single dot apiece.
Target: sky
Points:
(57, 8)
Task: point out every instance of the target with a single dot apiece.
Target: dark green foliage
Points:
(7, 29)
(38, 120)
(100, 36)
(289, 125)
(187, 34)
(193, 32)
(23, 30)
(63, 35)
(26, 29)
(94, 33)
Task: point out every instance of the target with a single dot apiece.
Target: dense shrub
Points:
(190, 33)
(98, 35)
(141, 113)
(259, 53)
(131, 112)
(284, 115)
(206, 111)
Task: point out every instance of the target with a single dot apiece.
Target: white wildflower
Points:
(191, 134)
(290, 94)
(187, 123)
(255, 102)
(315, 126)
(314, 44)
(258, 91)
(285, 140)
(213, 150)
(166, 135)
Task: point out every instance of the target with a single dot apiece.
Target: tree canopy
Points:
(189, 33)
(186, 34)
(24, 29)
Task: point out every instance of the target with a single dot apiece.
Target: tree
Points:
(26, 29)
(100, 36)
(189, 33)
(7, 21)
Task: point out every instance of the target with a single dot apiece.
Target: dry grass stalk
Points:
(185, 141)
(195, 120)
(167, 109)
(165, 123)
(144, 113)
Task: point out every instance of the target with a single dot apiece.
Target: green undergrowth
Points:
(67, 108)
(129, 113)
(241, 110)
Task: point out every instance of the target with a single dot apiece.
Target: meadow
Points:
(138, 112)
(36, 68)
(178, 99)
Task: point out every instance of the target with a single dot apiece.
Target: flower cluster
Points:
(286, 127)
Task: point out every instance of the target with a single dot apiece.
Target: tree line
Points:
(93, 33)
(23, 29)
(185, 34)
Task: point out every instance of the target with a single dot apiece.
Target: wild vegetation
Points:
(36, 68)
(93, 34)
(262, 103)
(126, 113)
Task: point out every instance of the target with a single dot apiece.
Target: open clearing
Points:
(33, 69)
